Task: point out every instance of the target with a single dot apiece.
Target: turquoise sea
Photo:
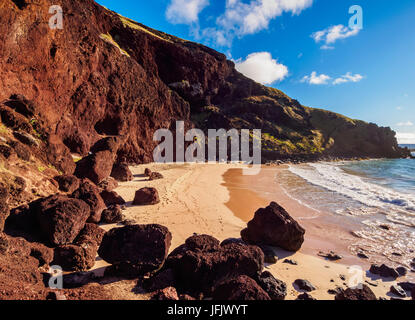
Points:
(377, 194)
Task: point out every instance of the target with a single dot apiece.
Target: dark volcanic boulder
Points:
(275, 227)
(113, 214)
(332, 256)
(155, 176)
(112, 198)
(402, 271)
(241, 288)
(305, 297)
(96, 167)
(407, 286)
(106, 144)
(146, 196)
(147, 172)
(363, 293)
(90, 233)
(304, 285)
(200, 263)
(4, 207)
(67, 183)
(397, 290)
(384, 271)
(77, 279)
(121, 172)
(61, 218)
(232, 240)
(89, 193)
(161, 280)
(276, 289)
(108, 184)
(76, 257)
(138, 248)
(202, 242)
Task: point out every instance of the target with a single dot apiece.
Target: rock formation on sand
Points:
(146, 196)
(239, 288)
(61, 218)
(200, 263)
(384, 271)
(139, 248)
(275, 227)
(363, 293)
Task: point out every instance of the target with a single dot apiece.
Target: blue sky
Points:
(307, 49)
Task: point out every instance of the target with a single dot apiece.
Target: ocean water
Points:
(379, 195)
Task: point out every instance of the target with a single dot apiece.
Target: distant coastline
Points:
(409, 146)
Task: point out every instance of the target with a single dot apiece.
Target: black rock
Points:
(397, 290)
(407, 286)
(77, 279)
(402, 271)
(289, 261)
(304, 285)
(332, 256)
(232, 240)
(276, 289)
(357, 294)
(361, 255)
(305, 296)
(384, 271)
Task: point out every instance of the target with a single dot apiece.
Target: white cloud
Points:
(218, 36)
(348, 77)
(185, 11)
(330, 35)
(405, 138)
(326, 47)
(316, 79)
(321, 79)
(405, 124)
(241, 18)
(261, 67)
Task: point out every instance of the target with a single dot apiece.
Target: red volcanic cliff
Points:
(105, 75)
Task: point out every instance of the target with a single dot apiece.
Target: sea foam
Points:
(399, 207)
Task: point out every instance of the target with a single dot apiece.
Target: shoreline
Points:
(249, 193)
(215, 200)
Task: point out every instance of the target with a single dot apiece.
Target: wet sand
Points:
(323, 231)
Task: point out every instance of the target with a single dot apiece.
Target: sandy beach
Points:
(218, 200)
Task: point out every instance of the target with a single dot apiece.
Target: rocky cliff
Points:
(104, 75)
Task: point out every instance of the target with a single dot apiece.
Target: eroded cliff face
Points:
(105, 75)
(80, 84)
